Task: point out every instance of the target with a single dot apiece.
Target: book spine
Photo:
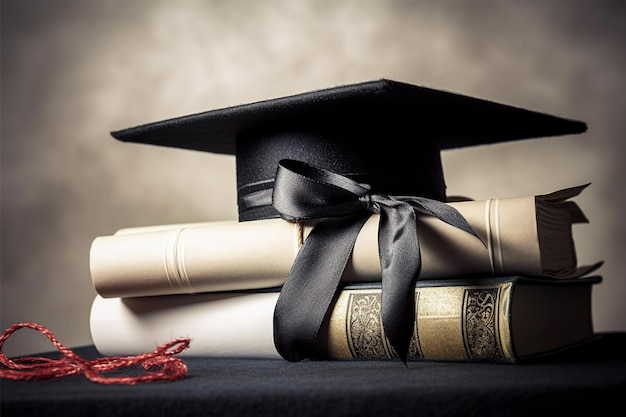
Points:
(454, 323)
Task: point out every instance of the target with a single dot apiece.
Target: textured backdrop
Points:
(72, 71)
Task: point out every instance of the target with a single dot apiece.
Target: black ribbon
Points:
(305, 192)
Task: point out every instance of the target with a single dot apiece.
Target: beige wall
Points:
(74, 70)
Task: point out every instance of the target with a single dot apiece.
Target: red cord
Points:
(159, 365)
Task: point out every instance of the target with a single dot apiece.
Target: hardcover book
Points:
(496, 319)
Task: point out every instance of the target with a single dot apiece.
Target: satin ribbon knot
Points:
(368, 203)
(342, 206)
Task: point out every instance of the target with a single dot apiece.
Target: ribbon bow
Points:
(305, 192)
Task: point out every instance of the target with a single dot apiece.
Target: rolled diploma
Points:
(226, 256)
(219, 324)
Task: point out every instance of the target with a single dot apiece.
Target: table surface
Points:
(590, 378)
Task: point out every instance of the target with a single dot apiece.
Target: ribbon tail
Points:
(312, 284)
(400, 262)
(442, 211)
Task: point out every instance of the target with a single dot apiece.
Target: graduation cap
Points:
(371, 147)
(383, 133)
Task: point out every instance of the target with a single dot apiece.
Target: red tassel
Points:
(159, 365)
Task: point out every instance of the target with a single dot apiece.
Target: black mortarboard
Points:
(383, 133)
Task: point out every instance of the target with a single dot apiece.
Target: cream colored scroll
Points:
(527, 236)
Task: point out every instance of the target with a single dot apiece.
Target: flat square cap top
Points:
(450, 119)
(383, 133)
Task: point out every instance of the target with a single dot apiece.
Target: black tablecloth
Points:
(588, 379)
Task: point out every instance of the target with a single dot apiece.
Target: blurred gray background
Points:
(73, 70)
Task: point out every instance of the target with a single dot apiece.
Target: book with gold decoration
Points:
(496, 319)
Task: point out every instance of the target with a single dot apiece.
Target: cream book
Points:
(501, 319)
(518, 236)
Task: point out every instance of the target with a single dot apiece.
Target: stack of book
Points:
(510, 291)
(515, 292)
